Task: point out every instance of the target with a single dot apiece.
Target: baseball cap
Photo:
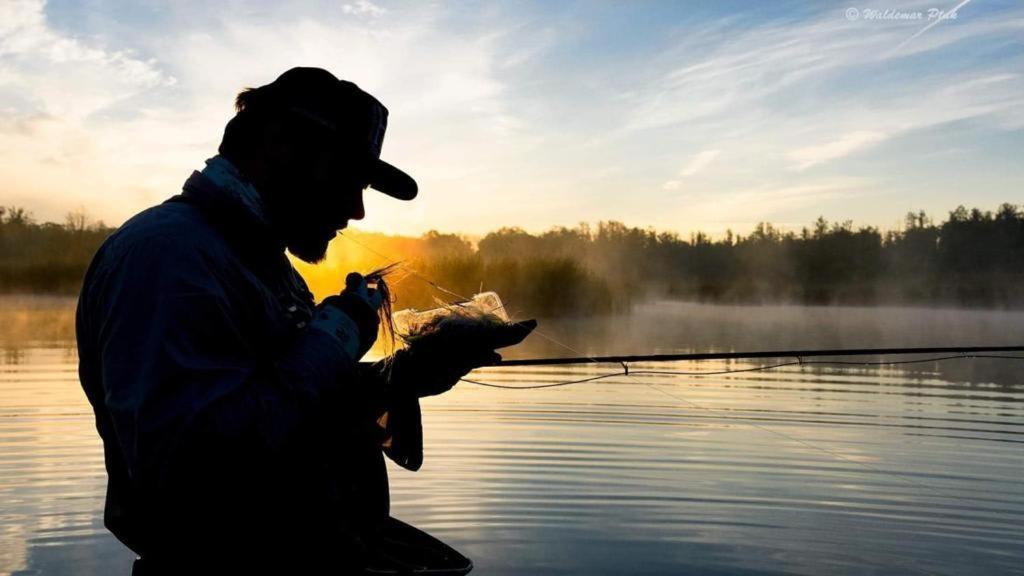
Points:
(342, 107)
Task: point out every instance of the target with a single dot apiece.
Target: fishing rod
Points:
(951, 353)
(966, 351)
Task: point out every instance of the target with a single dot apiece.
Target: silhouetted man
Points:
(240, 432)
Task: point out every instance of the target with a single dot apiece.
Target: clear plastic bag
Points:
(412, 322)
(481, 322)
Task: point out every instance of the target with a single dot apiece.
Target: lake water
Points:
(914, 469)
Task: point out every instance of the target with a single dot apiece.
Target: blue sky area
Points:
(676, 115)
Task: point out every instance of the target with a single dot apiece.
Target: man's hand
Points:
(436, 371)
(351, 316)
(432, 364)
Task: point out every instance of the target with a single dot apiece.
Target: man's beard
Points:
(304, 235)
(308, 248)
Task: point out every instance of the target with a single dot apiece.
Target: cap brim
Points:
(392, 181)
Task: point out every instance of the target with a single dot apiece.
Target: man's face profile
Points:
(310, 144)
(313, 193)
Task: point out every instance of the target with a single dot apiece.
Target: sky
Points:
(679, 116)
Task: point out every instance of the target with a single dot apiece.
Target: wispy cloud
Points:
(697, 162)
(954, 13)
(844, 145)
(745, 75)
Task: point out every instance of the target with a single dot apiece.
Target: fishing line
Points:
(626, 372)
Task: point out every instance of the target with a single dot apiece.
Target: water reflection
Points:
(910, 469)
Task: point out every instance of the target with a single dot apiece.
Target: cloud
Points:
(62, 75)
(363, 8)
(699, 162)
(843, 146)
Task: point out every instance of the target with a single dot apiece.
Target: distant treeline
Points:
(973, 258)
(47, 258)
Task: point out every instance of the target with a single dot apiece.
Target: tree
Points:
(76, 221)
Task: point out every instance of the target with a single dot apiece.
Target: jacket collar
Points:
(233, 214)
(225, 176)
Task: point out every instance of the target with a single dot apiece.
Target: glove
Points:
(434, 363)
(435, 371)
(351, 317)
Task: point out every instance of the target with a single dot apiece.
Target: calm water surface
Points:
(909, 470)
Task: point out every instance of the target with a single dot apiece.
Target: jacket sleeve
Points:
(396, 410)
(185, 392)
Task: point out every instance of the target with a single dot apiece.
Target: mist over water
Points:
(803, 470)
(669, 326)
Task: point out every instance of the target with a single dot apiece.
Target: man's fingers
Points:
(354, 281)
